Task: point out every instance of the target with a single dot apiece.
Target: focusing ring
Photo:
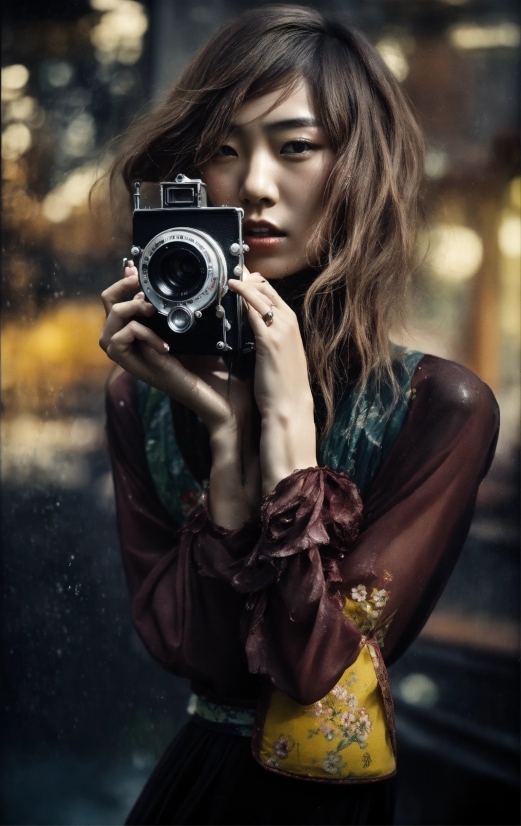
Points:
(216, 269)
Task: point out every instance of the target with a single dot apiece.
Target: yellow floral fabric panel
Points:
(342, 737)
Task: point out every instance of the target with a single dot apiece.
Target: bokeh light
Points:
(16, 140)
(454, 252)
(393, 54)
(73, 192)
(119, 34)
(14, 79)
(510, 236)
(502, 35)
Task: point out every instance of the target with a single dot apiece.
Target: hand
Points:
(281, 386)
(199, 382)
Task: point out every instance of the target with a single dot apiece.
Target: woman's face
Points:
(274, 164)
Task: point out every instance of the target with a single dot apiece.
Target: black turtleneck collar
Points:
(293, 288)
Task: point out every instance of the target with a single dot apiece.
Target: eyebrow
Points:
(281, 125)
(291, 123)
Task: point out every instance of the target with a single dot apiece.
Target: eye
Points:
(298, 147)
(226, 151)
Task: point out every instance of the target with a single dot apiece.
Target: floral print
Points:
(379, 597)
(365, 609)
(368, 421)
(359, 593)
(333, 763)
(349, 726)
(341, 722)
(344, 737)
(283, 746)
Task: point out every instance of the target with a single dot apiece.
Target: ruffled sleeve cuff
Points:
(311, 508)
(219, 552)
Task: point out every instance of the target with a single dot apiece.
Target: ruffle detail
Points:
(219, 553)
(311, 508)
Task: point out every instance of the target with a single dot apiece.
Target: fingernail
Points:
(139, 295)
(165, 345)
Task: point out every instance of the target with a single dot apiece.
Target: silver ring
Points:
(268, 317)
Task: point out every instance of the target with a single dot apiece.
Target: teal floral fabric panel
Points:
(367, 423)
(177, 488)
(235, 719)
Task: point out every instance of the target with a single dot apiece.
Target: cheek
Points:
(220, 186)
(307, 196)
(305, 208)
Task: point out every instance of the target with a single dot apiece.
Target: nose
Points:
(258, 185)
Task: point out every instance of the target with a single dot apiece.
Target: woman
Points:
(340, 483)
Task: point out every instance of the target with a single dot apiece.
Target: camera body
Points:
(185, 252)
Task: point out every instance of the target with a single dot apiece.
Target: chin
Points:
(271, 268)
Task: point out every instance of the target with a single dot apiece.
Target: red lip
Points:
(264, 242)
(273, 231)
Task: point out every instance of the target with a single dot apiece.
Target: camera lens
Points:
(177, 271)
(183, 266)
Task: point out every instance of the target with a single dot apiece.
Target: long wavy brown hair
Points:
(365, 237)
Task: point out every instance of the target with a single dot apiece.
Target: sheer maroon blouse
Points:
(207, 610)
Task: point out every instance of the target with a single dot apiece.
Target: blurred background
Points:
(86, 713)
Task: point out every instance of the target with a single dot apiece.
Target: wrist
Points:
(225, 441)
(287, 415)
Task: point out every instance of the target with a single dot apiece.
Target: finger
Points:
(117, 292)
(130, 269)
(254, 276)
(120, 314)
(257, 278)
(258, 282)
(255, 294)
(121, 343)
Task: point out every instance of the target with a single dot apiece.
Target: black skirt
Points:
(207, 777)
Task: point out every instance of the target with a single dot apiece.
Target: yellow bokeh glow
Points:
(16, 140)
(394, 57)
(506, 35)
(58, 349)
(509, 236)
(455, 252)
(119, 34)
(14, 77)
(73, 192)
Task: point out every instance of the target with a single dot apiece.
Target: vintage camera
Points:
(184, 253)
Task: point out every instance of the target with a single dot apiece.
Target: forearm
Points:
(288, 443)
(229, 504)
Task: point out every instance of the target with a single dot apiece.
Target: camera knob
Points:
(135, 250)
(237, 271)
(236, 249)
(219, 311)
